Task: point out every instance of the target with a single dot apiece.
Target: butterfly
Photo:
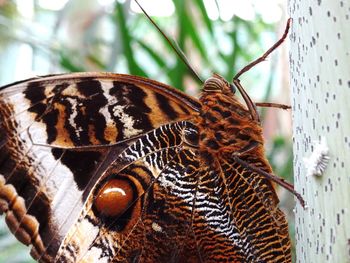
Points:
(102, 167)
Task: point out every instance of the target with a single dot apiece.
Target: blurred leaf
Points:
(97, 62)
(280, 157)
(231, 59)
(67, 63)
(156, 57)
(178, 72)
(8, 14)
(207, 21)
(191, 33)
(126, 40)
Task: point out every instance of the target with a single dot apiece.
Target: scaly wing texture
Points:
(184, 210)
(157, 226)
(59, 134)
(66, 138)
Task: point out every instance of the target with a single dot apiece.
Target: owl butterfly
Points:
(101, 167)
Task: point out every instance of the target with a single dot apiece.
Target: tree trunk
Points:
(320, 81)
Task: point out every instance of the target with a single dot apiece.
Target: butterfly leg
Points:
(251, 146)
(250, 104)
(280, 181)
(273, 105)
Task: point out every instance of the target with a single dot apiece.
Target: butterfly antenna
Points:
(175, 47)
(268, 52)
(250, 104)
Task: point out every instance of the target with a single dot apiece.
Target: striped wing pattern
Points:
(65, 139)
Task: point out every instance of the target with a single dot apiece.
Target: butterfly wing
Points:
(248, 208)
(157, 225)
(182, 210)
(59, 134)
(67, 142)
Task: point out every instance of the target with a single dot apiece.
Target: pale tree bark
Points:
(320, 81)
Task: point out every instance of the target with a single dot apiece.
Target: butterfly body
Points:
(74, 145)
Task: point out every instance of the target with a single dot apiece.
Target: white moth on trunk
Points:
(317, 162)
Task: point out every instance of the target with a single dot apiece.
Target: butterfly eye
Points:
(233, 88)
(114, 198)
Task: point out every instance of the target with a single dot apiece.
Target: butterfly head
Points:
(216, 83)
(228, 123)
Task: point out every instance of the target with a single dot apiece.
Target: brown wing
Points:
(182, 208)
(156, 225)
(183, 198)
(86, 109)
(60, 133)
(257, 226)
